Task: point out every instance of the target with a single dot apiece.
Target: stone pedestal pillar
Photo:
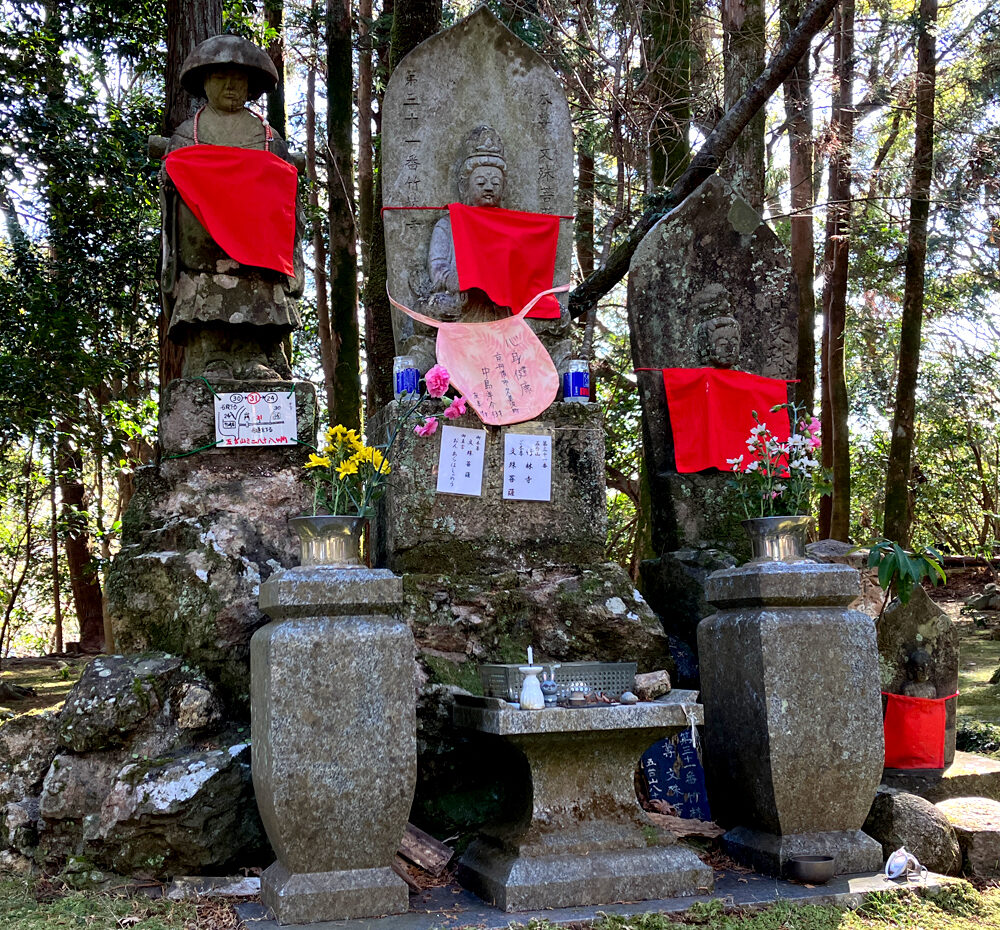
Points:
(793, 724)
(334, 741)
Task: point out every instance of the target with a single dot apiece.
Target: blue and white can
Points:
(576, 382)
(406, 376)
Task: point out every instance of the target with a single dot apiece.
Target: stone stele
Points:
(923, 631)
(334, 741)
(793, 725)
(711, 257)
(477, 73)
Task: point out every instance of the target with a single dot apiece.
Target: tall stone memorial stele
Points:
(208, 521)
(709, 286)
(793, 722)
(475, 114)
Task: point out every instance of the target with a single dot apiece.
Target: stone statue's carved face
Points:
(485, 187)
(719, 342)
(919, 662)
(227, 89)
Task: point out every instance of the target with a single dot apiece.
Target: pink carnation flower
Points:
(455, 409)
(437, 381)
(427, 428)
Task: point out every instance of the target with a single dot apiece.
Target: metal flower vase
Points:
(330, 539)
(778, 539)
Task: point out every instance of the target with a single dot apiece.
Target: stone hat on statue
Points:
(223, 50)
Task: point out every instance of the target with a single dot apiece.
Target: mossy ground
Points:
(37, 905)
(50, 680)
(979, 658)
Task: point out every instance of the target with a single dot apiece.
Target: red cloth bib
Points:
(508, 254)
(914, 731)
(711, 414)
(245, 199)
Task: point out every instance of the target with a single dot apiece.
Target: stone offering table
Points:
(582, 839)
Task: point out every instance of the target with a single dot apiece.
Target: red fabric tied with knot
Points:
(245, 199)
(914, 731)
(711, 414)
(509, 254)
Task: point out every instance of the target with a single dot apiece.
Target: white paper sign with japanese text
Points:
(527, 467)
(460, 467)
(252, 418)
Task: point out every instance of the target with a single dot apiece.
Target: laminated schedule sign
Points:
(460, 467)
(527, 467)
(256, 419)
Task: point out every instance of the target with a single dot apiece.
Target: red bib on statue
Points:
(245, 199)
(509, 254)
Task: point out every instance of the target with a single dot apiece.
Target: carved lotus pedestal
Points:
(334, 741)
(793, 722)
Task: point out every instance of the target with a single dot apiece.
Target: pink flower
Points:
(455, 409)
(437, 381)
(427, 428)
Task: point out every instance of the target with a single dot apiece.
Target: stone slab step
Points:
(977, 824)
(969, 776)
(451, 906)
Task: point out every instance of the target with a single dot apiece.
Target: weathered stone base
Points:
(520, 883)
(968, 776)
(315, 896)
(852, 850)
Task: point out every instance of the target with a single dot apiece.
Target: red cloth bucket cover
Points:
(245, 199)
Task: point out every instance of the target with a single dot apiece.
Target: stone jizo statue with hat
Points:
(234, 319)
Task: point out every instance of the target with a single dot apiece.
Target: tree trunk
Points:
(743, 54)
(54, 541)
(897, 483)
(836, 441)
(274, 15)
(667, 28)
(76, 545)
(189, 22)
(345, 404)
(707, 158)
(798, 110)
(327, 346)
(412, 22)
(366, 177)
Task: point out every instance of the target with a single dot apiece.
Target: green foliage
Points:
(976, 736)
(899, 571)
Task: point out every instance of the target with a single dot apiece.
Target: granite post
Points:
(333, 721)
(793, 724)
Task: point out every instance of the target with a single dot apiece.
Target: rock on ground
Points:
(977, 824)
(898, 818)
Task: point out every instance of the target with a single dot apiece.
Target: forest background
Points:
(875, 159)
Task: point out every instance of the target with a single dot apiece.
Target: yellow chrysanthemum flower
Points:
(347, 467)
(353, 440)
(378, 462)
(317, 461)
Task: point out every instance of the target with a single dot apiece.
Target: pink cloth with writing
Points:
(501, 367)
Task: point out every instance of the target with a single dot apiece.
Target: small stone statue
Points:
(718, 342)
(234, 320)
(917, 683)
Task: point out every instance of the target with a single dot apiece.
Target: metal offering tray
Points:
(504, 681)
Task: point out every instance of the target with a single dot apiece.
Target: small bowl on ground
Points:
(814, 870)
